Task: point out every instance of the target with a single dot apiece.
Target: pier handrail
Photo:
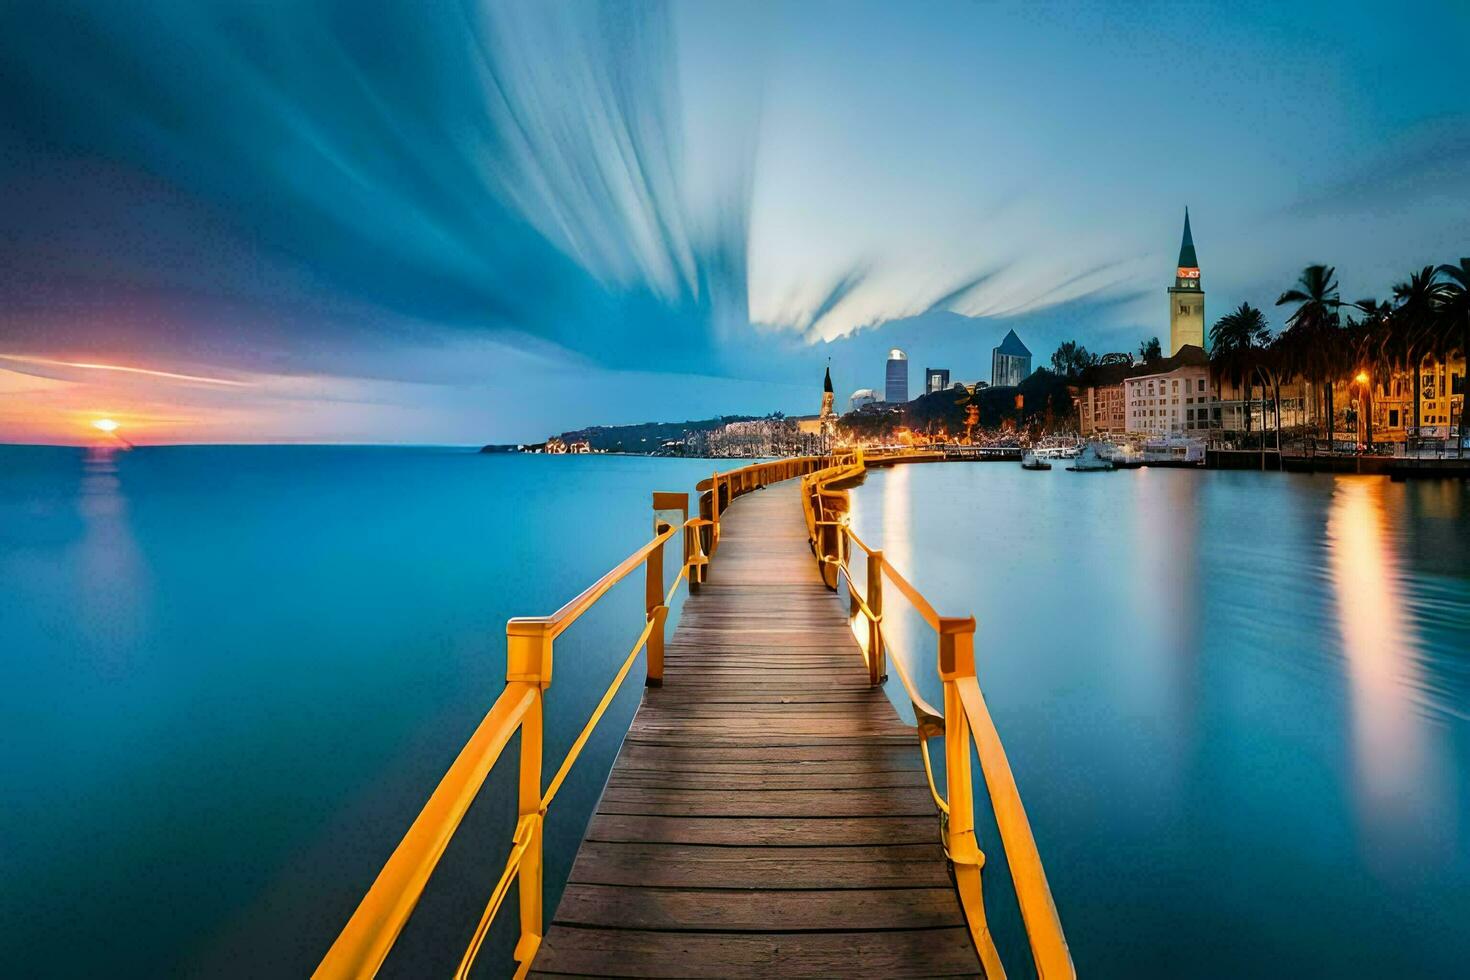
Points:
(965, 718)
(365, 942)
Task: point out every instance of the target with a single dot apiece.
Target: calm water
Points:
(233, 676)
(1236, 703)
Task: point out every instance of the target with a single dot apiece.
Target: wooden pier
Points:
(768, 815)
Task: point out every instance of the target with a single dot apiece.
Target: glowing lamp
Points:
(1362, 377)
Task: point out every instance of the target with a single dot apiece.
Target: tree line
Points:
(1328, 340)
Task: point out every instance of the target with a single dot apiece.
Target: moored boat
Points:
(1030, 461)
(1090, 461)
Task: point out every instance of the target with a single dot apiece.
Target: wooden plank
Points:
(693, 866)
(740, 782)
(750, 910)
(820, 751)
(906, 953)
(768, 813)
(782, 803)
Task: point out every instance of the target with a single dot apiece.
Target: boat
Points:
(1174, 450)
(1030, 461)
(1090, 461)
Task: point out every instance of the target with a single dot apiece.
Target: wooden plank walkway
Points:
(767, 815)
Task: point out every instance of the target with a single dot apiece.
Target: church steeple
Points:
(1186, 297)
(1187, 259)
(827, 421)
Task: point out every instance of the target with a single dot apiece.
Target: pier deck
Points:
(768, 814)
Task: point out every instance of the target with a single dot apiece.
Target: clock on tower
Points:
(1186, 297)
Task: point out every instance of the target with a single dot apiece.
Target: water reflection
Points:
(1234, 703)
(1394, 781)
(109, 594)
(897, 543)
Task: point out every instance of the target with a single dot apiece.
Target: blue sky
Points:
(461, 222)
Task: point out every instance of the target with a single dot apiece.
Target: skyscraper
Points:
(1186, 298)
(1010, 363)
(896, 391)
(935, 379)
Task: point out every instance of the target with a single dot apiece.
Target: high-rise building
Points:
(1186, 298)
(935, 379)
(896, 391)
(1010, 363)
(862, 398)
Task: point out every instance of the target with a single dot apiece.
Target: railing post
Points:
(528, 658)
(877, 668)
(714, 512)
(957, 660)
(653, 597)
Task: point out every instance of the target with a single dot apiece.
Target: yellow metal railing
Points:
(364, 944)
(965, 718)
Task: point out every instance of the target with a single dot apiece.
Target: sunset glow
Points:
(106, 425)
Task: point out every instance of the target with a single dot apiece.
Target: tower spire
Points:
(1187, 259)
(827, 382)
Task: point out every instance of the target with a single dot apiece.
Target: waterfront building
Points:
(861, 399)
(1102, 402)
(896, 387)
(556, 446)
(1390, 406)
(757, 438)
(1186, 298)
(1170, 396)
(1233, 400)
(1010, 363)
(935, 379)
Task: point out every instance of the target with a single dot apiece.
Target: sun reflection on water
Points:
(110, 603)
(1395, 781)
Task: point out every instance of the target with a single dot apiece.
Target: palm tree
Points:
(1237, 341)
(1311, 345)
(1454, 318)
(1370, 340)
(1414, 321)
(1269, 366)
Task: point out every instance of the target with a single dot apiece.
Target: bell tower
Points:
(1186, 298)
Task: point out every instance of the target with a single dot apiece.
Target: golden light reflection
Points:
(1388, 737)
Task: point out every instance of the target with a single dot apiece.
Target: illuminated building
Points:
(935, 379)
(1102, 402)
(1010, 363)
(1173, 397)
(896, 389)
(1186, 298)
(861, 399)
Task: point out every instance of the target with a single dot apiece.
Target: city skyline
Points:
(378, 233)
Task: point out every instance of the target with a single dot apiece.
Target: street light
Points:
(1364, 399)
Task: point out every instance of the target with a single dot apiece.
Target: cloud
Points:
(947, 300)
(505, 167)
(1430, 158)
